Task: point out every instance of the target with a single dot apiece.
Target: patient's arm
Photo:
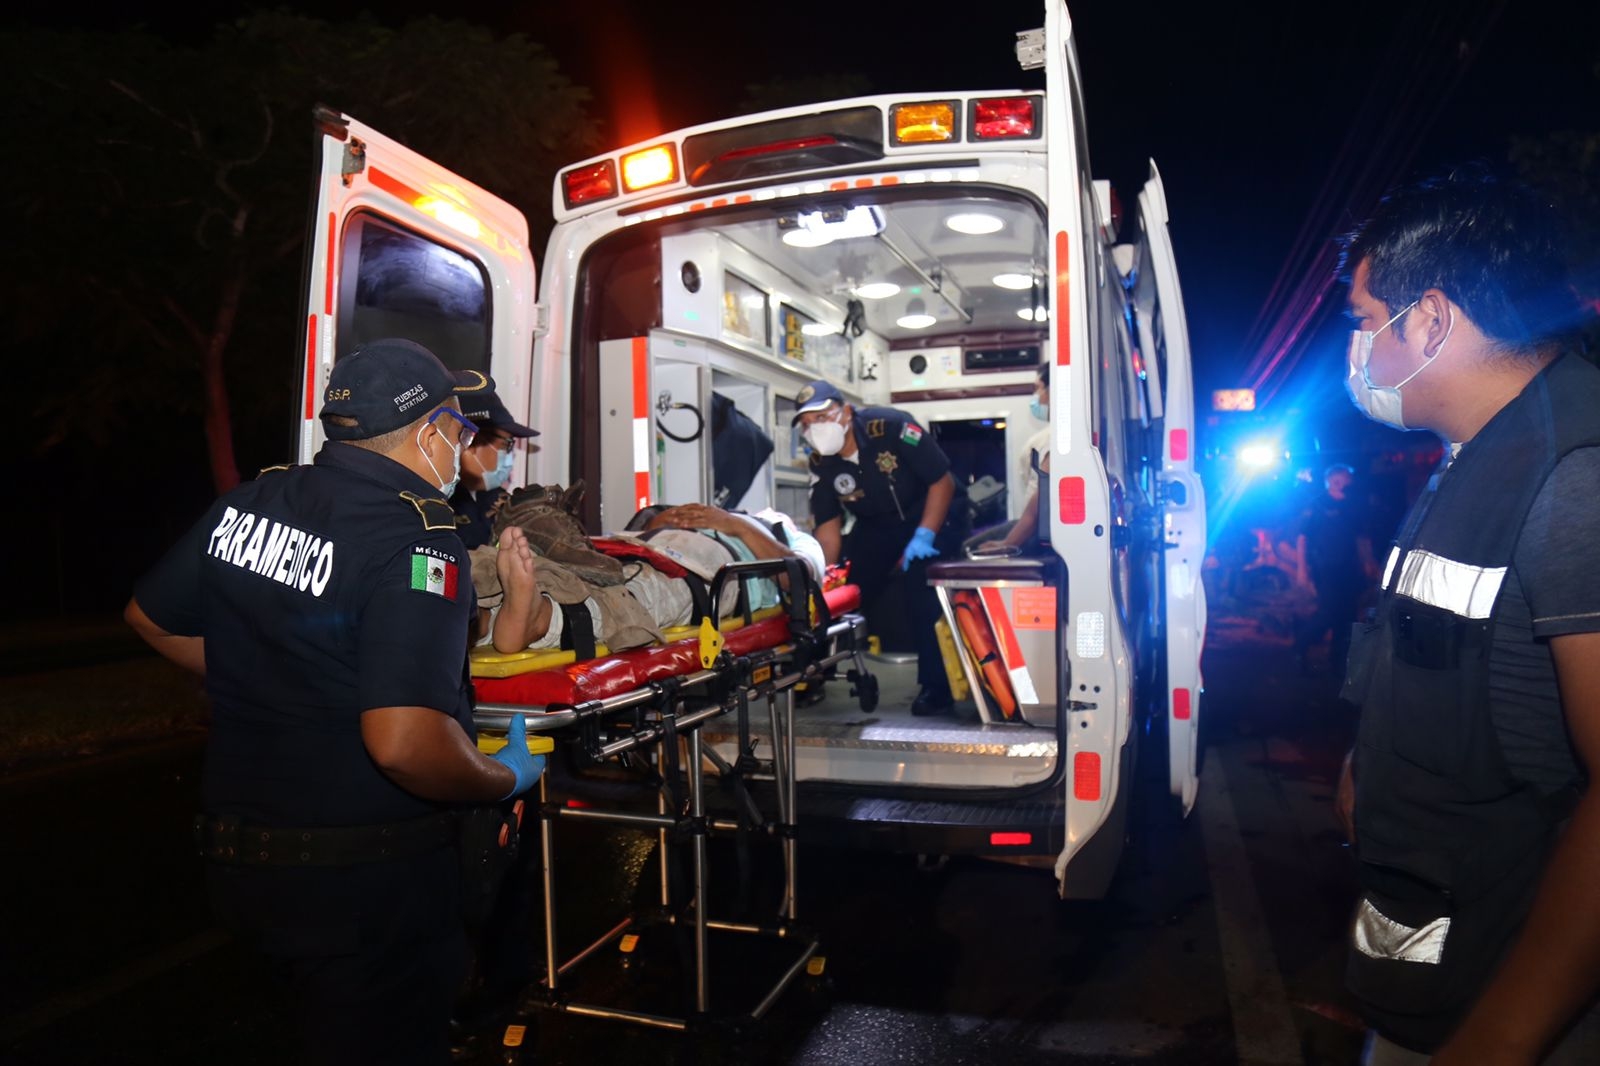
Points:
(760, 541)
(524, 616)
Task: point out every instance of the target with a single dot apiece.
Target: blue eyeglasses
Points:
(469, 432)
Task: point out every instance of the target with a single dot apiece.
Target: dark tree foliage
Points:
(158, 198)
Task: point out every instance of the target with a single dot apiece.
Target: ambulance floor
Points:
(838, 717)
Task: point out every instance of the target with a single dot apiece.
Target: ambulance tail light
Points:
(1010, 840)
(1005, 118)
(923, 123)
(597, 181)
(1086, 776)
(649, 167)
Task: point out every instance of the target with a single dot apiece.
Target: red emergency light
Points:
(597, 181)
(1005, 118)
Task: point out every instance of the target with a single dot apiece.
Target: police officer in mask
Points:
(486, 465)
(882, 468)
(326, 606)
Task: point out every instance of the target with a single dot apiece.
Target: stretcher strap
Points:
(578, 632)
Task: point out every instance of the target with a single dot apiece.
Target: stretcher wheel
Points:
(864, 687)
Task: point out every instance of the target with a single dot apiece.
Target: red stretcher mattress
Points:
(613, 675)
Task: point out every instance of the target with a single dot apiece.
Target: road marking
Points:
(16, 1026)
(1263, 1031)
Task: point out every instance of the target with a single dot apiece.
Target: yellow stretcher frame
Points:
(486, 662)
(489, 743)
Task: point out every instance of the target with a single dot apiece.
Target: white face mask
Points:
(1382, 403)
(493, 479)
(447, 487)
(825, 438)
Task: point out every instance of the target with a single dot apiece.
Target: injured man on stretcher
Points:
(629, 586)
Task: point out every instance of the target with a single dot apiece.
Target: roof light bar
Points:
(1005, 118)
(649, 167)
(597, 181)
(924, 123)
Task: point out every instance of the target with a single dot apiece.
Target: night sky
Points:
(1275, 128)
(1247, 109)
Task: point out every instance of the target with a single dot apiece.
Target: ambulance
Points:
(926, 251)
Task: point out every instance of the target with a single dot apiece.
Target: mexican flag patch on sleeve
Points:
(912, 433)
(429, 573)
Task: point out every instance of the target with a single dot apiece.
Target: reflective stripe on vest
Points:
(1381, 937)
(1463, 589)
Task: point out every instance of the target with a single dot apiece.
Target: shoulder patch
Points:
(436, 513)
(912, 433)
(434, 572)
(875, 427)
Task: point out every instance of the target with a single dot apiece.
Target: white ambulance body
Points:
(925, 251)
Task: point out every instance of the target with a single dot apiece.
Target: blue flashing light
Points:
(1259, 455)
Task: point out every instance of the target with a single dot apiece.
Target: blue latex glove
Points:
(516, 757)
(920, 546)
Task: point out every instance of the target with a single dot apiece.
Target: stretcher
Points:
(650, 703)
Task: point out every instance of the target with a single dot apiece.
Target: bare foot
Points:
(525, 613)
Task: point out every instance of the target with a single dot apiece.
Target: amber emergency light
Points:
(923, 123)
(649, 167)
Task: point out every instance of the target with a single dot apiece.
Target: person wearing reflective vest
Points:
(1477, 935)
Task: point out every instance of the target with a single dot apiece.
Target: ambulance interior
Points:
(930, 298)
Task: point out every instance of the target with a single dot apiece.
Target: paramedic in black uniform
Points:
(486, 465)
(327, 606)
(882, 467)
(502, 964)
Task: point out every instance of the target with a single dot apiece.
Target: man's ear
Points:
(1437, 321)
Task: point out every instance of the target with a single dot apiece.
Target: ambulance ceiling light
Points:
(1033, 314)
(974, 223)
(877, 290)
(916, 316)
(818, 329)
(811, 229)
(1014, 281)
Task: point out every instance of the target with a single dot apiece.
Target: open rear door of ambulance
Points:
(1096, 726)
(1184, 505)
(400, 247)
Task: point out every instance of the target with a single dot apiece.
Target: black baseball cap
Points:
(814, 397)
(482, 406)
(383, 385)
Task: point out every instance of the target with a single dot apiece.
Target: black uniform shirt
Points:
(475, 513)
(897, 460)
(321, 591)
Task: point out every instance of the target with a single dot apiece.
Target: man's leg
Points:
(1342, 597)
(922, 608)
(873, 550)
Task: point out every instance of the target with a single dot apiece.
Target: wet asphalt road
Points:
(1220, 943)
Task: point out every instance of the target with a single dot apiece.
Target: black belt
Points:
(226, 840)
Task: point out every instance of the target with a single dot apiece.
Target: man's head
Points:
(1337, 480)
(394, 397)
(1466, 264)
(487, 463)
(823, 417)
(1492, 247)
